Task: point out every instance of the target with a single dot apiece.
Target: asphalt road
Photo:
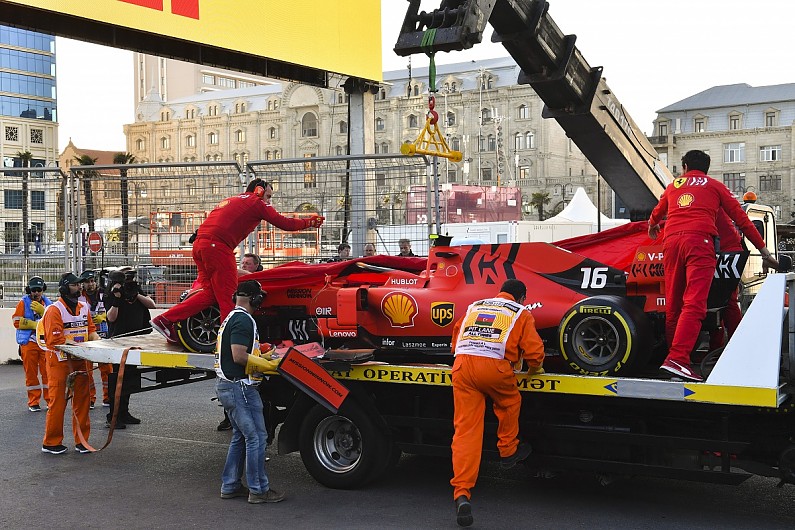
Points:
(165, 473)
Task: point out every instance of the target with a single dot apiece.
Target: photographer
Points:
(128, 314)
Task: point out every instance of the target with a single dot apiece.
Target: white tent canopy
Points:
(581, 210)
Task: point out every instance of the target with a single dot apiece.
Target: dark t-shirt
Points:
(133, 319)
(239, 329)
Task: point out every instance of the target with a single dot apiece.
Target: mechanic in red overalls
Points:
(214, 251)
(692, 203)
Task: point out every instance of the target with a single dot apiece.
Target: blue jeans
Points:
(243, 405)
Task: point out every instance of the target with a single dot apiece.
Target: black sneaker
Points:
(91, 405)
(463, 511)
(522, 452)
(35, 408)
(225, 425)
(129, 419)
(119, 425)
(80, 448)
(53, 449)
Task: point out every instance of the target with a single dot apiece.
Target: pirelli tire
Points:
(605, 335)
(198, 333)
(344, 450)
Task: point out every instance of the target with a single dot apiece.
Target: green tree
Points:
(88, 176)
(539, 200)
(122, 159)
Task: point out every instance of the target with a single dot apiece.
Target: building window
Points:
(414, 178)
(212, 138)
(309, 125)
(190, 114)
(450, 119)
(339, 150)
(382, 94)
(240, 108)
(272, 133)
(734, 181)
(769, 182)
(452, 176)
(384, 147)
(518, 141)
(416, 90)
(165, 142)
(524, 172)
(530, 141)
(524, 112)
(37, 199)
(277, 154)
(455, 143)
(413, 122)
(310, 177)
(485, 174)
(453, 87)
(240, 135)
(380, 179)
(37, 136)
(190, 141)
(212, 110)
(377, 149)
(343, 127)
(486, 82)
(492, 144)
(481, 143)
(339, 98)
(208, 79)
(268, 155)
(12, 199)
(663, 129)
(140, 144)
(734, 152)
(165, 115)
(12, 134)
(734, 122)
(769, 153)
(770, 119)
(699, 125)
(380, 125)
(270, 105)
(485, 115)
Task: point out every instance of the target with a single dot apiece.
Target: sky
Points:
(653, 53)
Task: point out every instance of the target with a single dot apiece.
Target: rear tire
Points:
(198, 333)
(344, 450)
(605, 335)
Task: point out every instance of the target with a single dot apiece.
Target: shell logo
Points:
(641, 256)
(223, 203)
(685, 200)
(400, 308)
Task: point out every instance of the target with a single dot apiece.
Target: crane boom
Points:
(574, 93)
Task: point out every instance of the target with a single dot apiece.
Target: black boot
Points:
(463, 511)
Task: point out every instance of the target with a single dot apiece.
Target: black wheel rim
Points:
(202, 328)
(595, 341)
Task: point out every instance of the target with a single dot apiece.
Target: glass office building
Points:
(27, 74)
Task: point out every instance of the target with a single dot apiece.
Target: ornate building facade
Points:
(496, 123)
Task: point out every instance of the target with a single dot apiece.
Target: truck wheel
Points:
(605, 335)
(198, 333)
(343, 450)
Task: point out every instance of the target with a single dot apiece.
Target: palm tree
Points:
(539, 199)
(88, 176)
(121, 159)
(26, 157)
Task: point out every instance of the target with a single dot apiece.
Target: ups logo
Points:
(442, 313)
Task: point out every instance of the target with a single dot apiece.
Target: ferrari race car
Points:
(595, 317)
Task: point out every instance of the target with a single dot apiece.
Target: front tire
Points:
(606, 336)
(344, 450)
(198, 333)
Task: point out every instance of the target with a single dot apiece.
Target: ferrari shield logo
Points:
(679, 182)
(442, 313)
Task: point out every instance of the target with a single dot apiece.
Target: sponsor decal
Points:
(727, 266)
(685, 200)
(649, 270)
(534, 305)
(442, 313)
(655, 256)
(641, 256)
(596, 310)
(299, 293)
(679, 182)
(343, 333)
(322, 311)
(660, 300)
(400, 309)
(414, 345)
(387, 342)
(403, 281)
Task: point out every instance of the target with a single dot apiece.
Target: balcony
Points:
(661, 140)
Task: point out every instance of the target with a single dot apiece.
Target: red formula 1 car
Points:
(594, 317)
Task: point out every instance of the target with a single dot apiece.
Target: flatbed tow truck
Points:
(352, 420)
(739, 422)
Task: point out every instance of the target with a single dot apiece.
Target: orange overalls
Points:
(34, 361)
(492, 338)
(58, 325)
